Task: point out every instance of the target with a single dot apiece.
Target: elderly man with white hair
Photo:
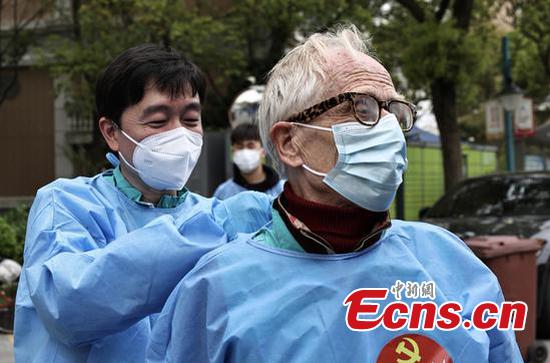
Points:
(312, 285)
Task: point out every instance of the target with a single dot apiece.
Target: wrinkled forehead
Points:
(357, 72)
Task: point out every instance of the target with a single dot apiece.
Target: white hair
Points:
(296, 81)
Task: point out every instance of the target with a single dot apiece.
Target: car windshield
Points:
(498, 196)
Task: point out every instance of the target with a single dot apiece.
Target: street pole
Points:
(508, 122)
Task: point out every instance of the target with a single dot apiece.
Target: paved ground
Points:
(6, 348)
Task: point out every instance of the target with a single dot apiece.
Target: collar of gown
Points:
(166, 201)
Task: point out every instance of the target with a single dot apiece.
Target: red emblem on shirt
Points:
(413, 348)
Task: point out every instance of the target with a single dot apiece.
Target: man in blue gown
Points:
(102, 254)
(333, 121)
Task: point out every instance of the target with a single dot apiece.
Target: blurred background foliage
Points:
(230, 43)
(446, 51)
(13, 224)
(531, 48)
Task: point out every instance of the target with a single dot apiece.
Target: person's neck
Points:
(343, 228)
(148, 194)
(256, 176)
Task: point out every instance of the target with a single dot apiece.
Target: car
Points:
(511, 204)
(515, 204)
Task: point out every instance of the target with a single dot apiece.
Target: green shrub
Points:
(9, 246)
(13, 225)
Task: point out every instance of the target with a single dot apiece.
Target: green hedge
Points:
(13, 224)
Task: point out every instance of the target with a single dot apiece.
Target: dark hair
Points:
(122, 83)
(243, 132)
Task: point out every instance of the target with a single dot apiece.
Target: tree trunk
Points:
(444, 105)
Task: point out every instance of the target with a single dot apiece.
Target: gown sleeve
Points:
(246, 212)
(84, 289)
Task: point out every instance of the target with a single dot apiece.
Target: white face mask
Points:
(247, 160)
(164, 161)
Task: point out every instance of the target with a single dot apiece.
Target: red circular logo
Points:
(413, 348)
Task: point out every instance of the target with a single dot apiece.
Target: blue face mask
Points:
(371, 162)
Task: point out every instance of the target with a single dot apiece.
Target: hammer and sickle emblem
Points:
(414, 355)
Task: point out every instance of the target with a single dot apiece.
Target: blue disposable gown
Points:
(98, 265)
(248, 302)
(229, 188)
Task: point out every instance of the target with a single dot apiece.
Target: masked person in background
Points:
(249, 173)
(332, 120)
(102, 254)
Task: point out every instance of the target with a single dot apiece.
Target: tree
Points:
(18, 20)
(246, 38)
(261, 32)
(104, 28)
(445, 50)
(531, 49)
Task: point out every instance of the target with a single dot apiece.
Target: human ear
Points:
(109, 132)
(282, 135)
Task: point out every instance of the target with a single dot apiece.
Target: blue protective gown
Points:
(250, 302)
(98, 266)
(229, 188)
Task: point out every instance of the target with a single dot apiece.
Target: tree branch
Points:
(15, 48)
(443, 5)
(4, 91)
(75, 11)
(531, 36)
(1, 13)
(414, 8)
(462, 13)
(33, 17)
(546, 63)
(544, 56)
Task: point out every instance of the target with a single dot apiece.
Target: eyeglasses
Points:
(366, 109)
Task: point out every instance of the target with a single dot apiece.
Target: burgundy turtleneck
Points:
(341, 227)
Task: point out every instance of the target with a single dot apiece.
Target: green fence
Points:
(424, 183)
